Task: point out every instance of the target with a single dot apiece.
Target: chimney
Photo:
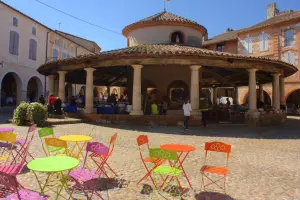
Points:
(272, 10)
(229, 30)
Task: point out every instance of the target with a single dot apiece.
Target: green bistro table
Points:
(54, 165)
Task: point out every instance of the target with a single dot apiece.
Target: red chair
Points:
(143, 141)
(105, 158)
(218, 170)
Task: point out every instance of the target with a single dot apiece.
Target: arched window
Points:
(264, 42)
(14, 43)
(32, 49)
(177, 37)
(15, 22)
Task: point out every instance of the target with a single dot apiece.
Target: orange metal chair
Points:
(218, 170)
(143, 141)
(105, 158)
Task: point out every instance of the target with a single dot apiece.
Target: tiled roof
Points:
(88, 44)
(165, 16)
(228, 36)
(284, 17)
(156, 50)
(232, 35)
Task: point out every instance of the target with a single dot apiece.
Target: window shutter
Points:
(34, 50)
(30, 49)
(16, 43)
(261, 42)
(11, 42)
(291, 57)
(250, 46)
(266, 43)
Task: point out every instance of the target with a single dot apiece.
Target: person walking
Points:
(187, 108)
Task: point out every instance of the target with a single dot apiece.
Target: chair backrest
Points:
(112, 143)
(218, 147)
(162, 154)
(8, 137)
(97, 149)
(9, 182)
(55, 142)
(43, 132)
(142, 139)
(21, 156)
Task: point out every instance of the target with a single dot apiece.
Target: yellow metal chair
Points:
(59, 144)
(8, 140)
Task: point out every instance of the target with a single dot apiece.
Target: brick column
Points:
(276, 91)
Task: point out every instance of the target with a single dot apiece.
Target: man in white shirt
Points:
(187, 108)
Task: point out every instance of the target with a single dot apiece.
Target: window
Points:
(248, 44)
(15, 22)
(289, 57)
(54, 54)
(64, 55)
(220, 47)
(264, 42)
(33, 31)
(59, 43)
(65, 44)
(289, 38)
(72, 50)
(177, 37)
(32, 49)
(81, 52)
(14, 43)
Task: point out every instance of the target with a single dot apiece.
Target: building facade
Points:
(277, 37)
(25, 44)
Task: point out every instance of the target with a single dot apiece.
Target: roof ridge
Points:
(75, 36)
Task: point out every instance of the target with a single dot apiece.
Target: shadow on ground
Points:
(213, 196)
(290, 130)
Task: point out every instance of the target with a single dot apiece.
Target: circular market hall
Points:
(164, 61)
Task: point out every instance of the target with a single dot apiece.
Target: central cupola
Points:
(165, 28)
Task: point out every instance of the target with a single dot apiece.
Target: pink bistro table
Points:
(6, 129)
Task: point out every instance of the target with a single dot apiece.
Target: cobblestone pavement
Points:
(264, 164)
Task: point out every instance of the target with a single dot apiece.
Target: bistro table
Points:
(182, 153)
(79, 143)
(53, 165)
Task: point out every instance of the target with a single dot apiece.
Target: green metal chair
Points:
(46, 133)
(163, 171)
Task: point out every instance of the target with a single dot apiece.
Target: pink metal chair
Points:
(83, 177)
(21, 142)
(19, 159)
(105, 158)
(12, 190)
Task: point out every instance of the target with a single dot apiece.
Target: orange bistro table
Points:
(79, 143)
(182, 153)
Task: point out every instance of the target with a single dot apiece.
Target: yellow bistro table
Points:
(79, 143)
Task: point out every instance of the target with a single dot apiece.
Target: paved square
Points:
(264, 164)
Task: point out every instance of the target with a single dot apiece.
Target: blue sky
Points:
(215, 15)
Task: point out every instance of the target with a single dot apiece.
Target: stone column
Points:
(56, 88)
(276, 92)
(137, 89)
(61, 85)
(236, 96)
(282, 91)
(89, 86)
(252, 90)
(51, 84)
(70, 93)
(195, 89)
(261, 93)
